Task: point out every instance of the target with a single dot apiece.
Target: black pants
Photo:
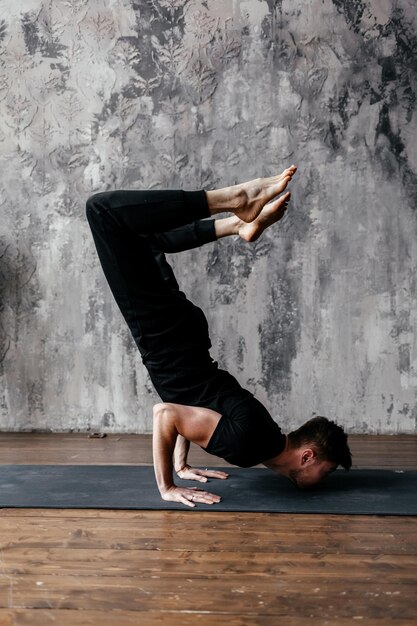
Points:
(132, 231)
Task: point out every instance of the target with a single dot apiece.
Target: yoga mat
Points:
(357, 492)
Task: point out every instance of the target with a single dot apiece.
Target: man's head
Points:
(316, 449)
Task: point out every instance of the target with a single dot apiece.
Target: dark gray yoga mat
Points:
(365, 492)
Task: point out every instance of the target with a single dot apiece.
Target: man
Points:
(202, 403)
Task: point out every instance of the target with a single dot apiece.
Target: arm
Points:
(163, 444)
(194, 424)
(182, 448)
(185, 471)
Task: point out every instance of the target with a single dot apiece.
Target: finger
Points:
(188, 474)
(198, 498)
(206, 497)
(210, 472)
(215, 474)
(178, 498)
(199, 477)
(207, 500)
(185, 500)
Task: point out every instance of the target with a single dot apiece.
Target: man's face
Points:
(311, 473)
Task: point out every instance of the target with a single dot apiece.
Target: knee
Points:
(90, 207)
(96, 203)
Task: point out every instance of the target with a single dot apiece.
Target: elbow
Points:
(164, 426)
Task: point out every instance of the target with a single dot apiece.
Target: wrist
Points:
(180, 467)
(166, 488)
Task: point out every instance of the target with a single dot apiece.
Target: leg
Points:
(177, 240)
(186, 237)
(159, 317)
(146, 212)
(204, 231)
(162, 321)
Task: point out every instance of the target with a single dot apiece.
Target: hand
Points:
(189, 496)
(191, 473)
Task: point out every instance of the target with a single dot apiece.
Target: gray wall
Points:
(318, 316)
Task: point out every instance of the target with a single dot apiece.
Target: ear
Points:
(308, 455)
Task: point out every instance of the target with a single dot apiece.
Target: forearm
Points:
(182, 447)
(163, 444)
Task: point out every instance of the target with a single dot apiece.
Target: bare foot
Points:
(254, 194)
(247, 200)
(270, 214)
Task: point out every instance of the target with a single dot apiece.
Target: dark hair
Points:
(328, 439)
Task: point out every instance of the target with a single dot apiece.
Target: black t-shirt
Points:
(246, 434)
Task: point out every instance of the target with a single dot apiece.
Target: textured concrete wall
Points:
(319, 316)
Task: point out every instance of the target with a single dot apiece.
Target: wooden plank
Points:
(206, 521)
(95, 537)
(185, 531)
(73, 531)
(63, 617)
(210, 520)
(245, 595)
(353, 545)
(21, 561)
(202, 533)
(213, 520)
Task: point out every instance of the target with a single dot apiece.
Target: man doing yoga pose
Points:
(132, 230)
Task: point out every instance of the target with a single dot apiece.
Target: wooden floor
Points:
(120, 568)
